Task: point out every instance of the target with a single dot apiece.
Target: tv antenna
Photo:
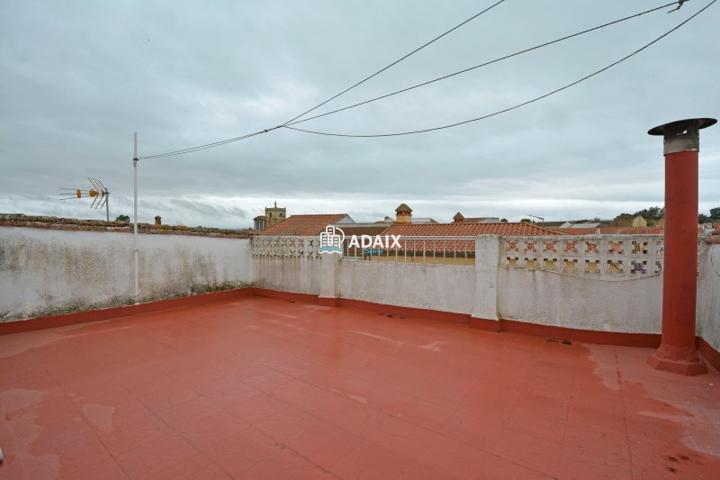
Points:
(98, 192)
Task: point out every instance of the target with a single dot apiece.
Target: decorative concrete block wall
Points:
(607, 283)
(288, 264)
(610, 283)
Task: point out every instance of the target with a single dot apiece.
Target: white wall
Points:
(535, 296)
(44, 272)
(446, 288)
(708, 316)
(292, 274)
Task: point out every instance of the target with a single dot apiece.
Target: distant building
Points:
(309, 224)
(459, 217)
(403, 214)
(628, 220)
(594, 223)
(468, 229)
(272, 216)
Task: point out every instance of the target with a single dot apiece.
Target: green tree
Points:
(525, 220)
(652, 213)
(702, 218)
(122, 218)
(715, 213)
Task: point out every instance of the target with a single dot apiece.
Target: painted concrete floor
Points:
(263, 388)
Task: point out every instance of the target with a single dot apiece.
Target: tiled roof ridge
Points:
(499, 228)
(78, 225)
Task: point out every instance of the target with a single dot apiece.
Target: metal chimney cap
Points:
(679, 126)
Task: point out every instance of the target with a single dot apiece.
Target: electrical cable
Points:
(356, 84)
(295, 120)
(209, 145)
(487, 63)
(514, 107)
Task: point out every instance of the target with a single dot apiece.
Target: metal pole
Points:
(135, 218)
(107, 207)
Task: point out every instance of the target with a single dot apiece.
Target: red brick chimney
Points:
(403, 214)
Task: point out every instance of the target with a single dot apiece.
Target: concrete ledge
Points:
(624, 339)
(396, 310)
(290, 296)
(706, 350)
(40, 323)
(487, 324)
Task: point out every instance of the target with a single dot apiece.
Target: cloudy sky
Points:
(79, 77)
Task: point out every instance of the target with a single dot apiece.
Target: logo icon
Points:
(331, 240)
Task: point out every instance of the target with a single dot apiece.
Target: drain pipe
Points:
(677, 352)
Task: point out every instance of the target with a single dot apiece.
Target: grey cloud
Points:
(79, 78)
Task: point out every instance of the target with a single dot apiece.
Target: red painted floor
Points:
(262, 388)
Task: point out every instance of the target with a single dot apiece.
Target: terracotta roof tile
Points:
(611, 231)
(461, 229)
(311, 224)
(458, 229)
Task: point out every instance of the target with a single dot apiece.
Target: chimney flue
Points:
(403, 214)
(677, 353)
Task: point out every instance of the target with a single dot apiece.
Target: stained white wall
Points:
(446, 288)
(291, 274)
(44, 272)
(633, 306)
(708, 312)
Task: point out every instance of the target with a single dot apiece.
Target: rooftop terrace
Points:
(268, 388)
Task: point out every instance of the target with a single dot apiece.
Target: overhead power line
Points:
(519, 105)
(295, 120)
(485, 64)
(356, 84)
(209, 145)
(430, 42)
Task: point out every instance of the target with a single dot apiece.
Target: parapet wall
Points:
(596, 283)
(53, 271)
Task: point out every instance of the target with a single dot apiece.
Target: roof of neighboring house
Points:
(309, 224)
(458, 229)
(363, 228)
(581, 225)
(461, 229)
(631, 230)
(423, 220)
(481, 220)
(611, 231)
